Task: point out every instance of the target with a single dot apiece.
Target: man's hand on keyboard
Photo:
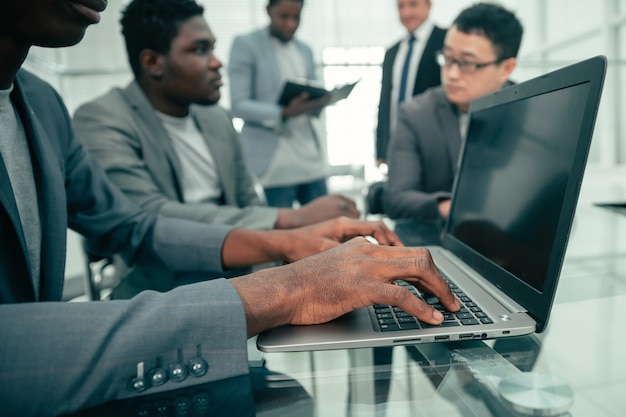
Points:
(352, 275)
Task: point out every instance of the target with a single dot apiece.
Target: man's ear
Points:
(508, 65)
(152, 63)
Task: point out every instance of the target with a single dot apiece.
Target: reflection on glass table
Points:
(421, 380)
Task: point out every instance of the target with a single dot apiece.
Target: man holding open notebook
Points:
(281, 143)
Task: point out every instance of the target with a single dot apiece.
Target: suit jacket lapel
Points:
(7, 200)
(268, 55)
(51, 198)
(393, 51)
(156, 131)
(449, 121)
(429, 51)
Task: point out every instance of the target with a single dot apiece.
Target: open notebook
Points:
(513, 203)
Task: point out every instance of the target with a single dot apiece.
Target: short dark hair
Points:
(494, 22)
(152, 24)
(275, 2)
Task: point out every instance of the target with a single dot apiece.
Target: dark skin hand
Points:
(249, 247)
(320, 209)
(309, 240)
(355, 274)
(302, 105)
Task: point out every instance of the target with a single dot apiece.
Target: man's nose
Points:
(214, 62)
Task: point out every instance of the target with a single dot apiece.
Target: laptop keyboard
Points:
(392, 318)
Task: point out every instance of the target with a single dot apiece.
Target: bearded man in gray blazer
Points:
(478, 56)
(165, 142)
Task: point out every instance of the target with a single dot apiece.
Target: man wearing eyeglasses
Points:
(478, 56)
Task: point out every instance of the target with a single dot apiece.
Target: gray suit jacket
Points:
(60, 357)
(129, 141)
(255, 86)
(422, 156)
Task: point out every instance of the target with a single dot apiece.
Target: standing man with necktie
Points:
(409, 67)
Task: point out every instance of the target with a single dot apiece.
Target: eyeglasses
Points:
(464, 66)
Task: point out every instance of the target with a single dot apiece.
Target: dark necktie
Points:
(405, 70)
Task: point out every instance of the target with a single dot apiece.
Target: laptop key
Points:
(431, 300)
(387, 315)
(444, 324)
(409, 319)
(389, 327)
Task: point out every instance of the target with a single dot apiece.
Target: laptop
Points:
(513, 202)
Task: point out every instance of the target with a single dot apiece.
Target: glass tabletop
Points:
(574, 368)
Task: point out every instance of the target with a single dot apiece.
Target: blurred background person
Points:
(409, 67)
(282, 145)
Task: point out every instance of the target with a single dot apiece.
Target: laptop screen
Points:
(516, 167)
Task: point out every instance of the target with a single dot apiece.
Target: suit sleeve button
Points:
(182, 406)
(177, 372)
(138, 383)
(197, 366)
(157, 376)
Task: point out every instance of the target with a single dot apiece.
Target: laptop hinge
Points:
(491, 289)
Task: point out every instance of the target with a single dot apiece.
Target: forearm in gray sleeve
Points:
(183, 245)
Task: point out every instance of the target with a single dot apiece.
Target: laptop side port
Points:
(441, 338)
(466, 336)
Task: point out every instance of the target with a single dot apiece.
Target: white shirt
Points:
(200, 181)
(463, 124)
